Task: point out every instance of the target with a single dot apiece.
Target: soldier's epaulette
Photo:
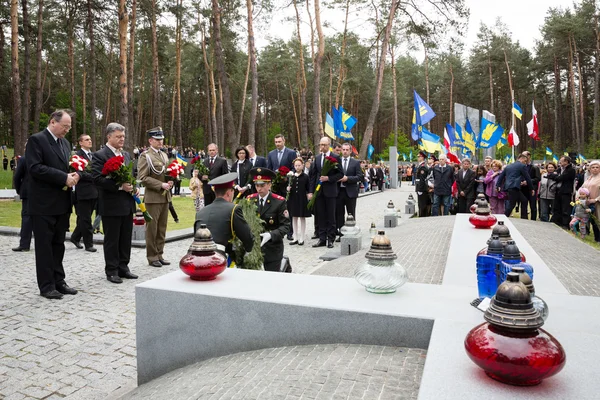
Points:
(278, 197)
(252, 196)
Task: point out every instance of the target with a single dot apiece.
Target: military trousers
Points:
(156, 230)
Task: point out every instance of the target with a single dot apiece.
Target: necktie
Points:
(89, 154)
(252, 161)
(262, 203)
(211, 161)
(62, 148)
(345, 165)
(279, 154)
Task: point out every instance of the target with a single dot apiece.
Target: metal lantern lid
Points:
(524, 278)
(381, 249)
(483, 207)
(390, 209)
(350, 227)
(502, 231)
(511, 308)
(373, 225)
(411, 199)
(495, 246)
(203, 240)
(511, 251)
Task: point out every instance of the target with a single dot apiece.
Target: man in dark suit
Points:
(511, 180)
(561, 208)
(49, 199)
(21, 183)
(217, 166)
(281, 155)
(465, 182)
(348, 186)
(379, 175)
(256, 160)
(536, 177)
(326, 201)
(421, 186)
(116, 205)
(86, 196)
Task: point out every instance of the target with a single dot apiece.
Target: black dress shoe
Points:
(164, 262)
(65, 289)
(20, 249)
(128, 275)
(315, 236)
(330, 245)
(77, 244)
(293, 243)
(53, 294)
(91, 249)
(300, 243)
(339, 239)
(114, 279)
(290, 237)
(320, 243)
(156, 264)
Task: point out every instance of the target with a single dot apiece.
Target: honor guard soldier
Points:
(223, 218)
(152, 171)
(272, 209)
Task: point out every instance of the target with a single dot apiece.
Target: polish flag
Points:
(513, 138)
(451, 156)
(533, 129)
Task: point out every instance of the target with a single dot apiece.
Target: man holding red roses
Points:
(325, 188)
(152, 172)
(115, 204)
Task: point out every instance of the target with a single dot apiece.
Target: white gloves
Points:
(265, 238)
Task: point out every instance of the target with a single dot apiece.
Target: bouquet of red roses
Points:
(77, 164)
(329, 164)
(175, 170)
(199, 165)
(280, 177)
(114, 168)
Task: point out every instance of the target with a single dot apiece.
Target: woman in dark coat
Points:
(242, 167)
(297, 201)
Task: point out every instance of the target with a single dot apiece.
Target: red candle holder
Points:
(203, 262)
(483, 221)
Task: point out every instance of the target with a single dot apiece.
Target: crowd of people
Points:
(565, 194)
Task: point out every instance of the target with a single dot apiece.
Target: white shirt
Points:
(53, 135)
(114, 150)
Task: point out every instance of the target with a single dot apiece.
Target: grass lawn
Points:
(6, 176)
(10, 214)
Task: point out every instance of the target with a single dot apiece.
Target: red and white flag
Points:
(451, 156)
(513, 138)
(533, 129)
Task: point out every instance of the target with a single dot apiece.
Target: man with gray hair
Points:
(116, 205)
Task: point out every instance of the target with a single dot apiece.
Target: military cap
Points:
(422, 154)
(433, 157)
(224, 181)
(155, 133)
(262, 175)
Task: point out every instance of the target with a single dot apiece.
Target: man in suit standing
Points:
(465, 181)
(281, 156)
(256, 160)
(86, 196)
(21, 183)
(116, 205)
(152, 172)
(217, 166)
(47, 156)
(443, 179)
(511, 180)
(561, 208)
(536, 177)
(326, 201)
(348, 189)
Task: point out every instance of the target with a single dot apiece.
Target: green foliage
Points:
(197, 138)
(254, 259)
(404, 147)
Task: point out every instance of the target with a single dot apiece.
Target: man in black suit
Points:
(421, 185)
(116, 205)
(86, 196)
(465, 182)
(281, 156)
(511, 180)
(348, 186)
(561, 208)
(536, 177)
(217, 166)
(256, 160)
(326, 201)
(49, 196)
(21, 183)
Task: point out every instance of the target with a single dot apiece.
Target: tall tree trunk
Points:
(581, 98)
(221, 136)
(294, 108)
(302, 107)
(426, 73)
(95, 134)
(170, 137)
(317, 120)
(109, 86)
(254, 69)
(211, 89)
(596, 86)
(209, 116)
(83, 102)
(244, 92)
(16, 78)
(71, 53)
(342, 74)
(26, 71)
(395, 97)
(179, 140)
(375, 107)
(131, 131)
(140, 108)
(38, 68)
(452, 92)
(330, 103)
(156, 108)
(491, 86)
(123, 107)
(573, 95)
(558, 143)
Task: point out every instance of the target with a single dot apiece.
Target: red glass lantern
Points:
(138, 218)
(482, 218)
(203, 262)
(510, 347)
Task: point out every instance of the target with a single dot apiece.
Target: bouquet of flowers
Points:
(175, 170)
(77, 164)
(291, 177)
(199, 165)
(280, 178)
(114, 168)
(329, 164)
(254, 259)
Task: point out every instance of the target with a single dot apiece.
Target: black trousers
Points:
(345, 204)
(117, 243)
(596, 230)
(423, 201)
(26, 226)
(177, 187)
(272, 265)
(326, 213)
(84, 229)
(561, 209)
(532, 200)
(515, 196)
(209, 197)
(464, 203)
(49, 231)
(173, 212)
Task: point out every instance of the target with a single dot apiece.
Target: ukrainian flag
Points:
(555, 158)
(548, 151)
(469, 137)
(517, 110)
(430, 141)
(582, 159)
(329, 131)
(490, 134)
(181, 160)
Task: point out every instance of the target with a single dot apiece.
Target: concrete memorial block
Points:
(139, 232)
(390, 221)
(17, 198)
(350, 244)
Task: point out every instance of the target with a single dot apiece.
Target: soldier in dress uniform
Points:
(219, 214)
(272, 209)
(152, 171)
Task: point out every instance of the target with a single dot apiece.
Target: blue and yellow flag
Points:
(555, 158)
(404, 156)
(348, 120)
(469, 137)
(548, 151)
(517, 110)
(342, 123)
(329, 130)
(581, 158)
(370, 151)
(422, 114)
(430, 141)
(181, 160)
(410, 156)
(490, 134)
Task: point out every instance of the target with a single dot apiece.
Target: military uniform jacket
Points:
(421, 178)
(152, 172)
(277, 223)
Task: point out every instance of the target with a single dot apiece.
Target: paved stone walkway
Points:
(291, 373)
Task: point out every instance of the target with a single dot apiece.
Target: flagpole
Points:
(512, 95)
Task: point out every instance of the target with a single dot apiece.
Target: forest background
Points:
(193, 68)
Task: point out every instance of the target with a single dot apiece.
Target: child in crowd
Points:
(582, 211)
(298, 201)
